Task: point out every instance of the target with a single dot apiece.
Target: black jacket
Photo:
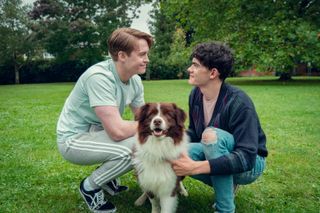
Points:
(234, 112)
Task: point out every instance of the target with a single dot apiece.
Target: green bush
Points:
(44, 71)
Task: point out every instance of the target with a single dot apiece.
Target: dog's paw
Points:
(184, 193)
(141, 200)
(183, 190)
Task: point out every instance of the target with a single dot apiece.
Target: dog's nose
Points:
(157, 122)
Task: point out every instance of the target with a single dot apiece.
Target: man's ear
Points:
(214, 73)
(122, 55)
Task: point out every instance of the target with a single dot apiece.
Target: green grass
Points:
(35, 178)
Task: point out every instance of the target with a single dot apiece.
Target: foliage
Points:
(78, 30)
(162, 27)
(281, 34)
(179, 53)
(71, 31)
(44, 71)
(34, 173)
(266, 35)
(169, 56)
(269, 35)
(14, 35)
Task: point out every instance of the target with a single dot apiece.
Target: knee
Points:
(127, 155)
(124, 154)
(209, 135)
(224, 135)
(217, 141)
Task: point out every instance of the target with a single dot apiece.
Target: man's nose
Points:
(189, 70)
(146, 59)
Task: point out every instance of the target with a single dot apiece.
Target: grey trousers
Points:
(96, 147)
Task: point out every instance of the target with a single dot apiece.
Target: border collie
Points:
(161, 137)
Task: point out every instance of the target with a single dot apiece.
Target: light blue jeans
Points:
(223, 185)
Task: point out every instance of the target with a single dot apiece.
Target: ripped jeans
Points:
(223, 185)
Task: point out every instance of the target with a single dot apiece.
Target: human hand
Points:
(183, 166)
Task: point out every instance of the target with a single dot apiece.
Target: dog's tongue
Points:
(157, 133)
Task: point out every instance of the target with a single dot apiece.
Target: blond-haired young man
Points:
(91, 130)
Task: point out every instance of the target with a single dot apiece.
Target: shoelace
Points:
(98, 200)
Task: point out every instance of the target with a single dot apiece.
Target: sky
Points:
(140, 23)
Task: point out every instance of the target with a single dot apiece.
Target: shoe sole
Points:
(96, 211)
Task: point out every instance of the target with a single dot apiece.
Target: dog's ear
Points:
(142, 112)
(181, 116)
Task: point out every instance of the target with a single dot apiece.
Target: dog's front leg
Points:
(168, 204)
(141, 200)
(154, 205)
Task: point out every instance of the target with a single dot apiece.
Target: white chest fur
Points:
(155, 173)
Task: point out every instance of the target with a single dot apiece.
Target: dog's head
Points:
(161, 120)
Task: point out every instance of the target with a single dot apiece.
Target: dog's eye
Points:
(168, 113)
(152, 112)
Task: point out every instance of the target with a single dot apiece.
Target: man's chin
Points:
(191, 82)
(143, 71)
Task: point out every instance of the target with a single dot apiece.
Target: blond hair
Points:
(124, 39)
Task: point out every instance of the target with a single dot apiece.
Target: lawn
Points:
(35, 178)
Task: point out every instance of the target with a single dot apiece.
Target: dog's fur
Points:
(161, 137)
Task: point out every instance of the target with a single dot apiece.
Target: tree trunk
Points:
(16, 72)
(148, 74)
(285, 76)
(16, 69)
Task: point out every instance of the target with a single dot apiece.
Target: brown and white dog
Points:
(161, 137)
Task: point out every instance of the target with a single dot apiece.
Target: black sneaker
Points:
(113, 187)
(96, 201)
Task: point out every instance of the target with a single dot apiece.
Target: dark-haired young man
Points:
(91, 130)
(223, 119)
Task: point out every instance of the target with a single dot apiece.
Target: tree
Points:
(278, 35)
(179, 54)
(15, 44)
(78, 30)
(163, 27)
(265, 34)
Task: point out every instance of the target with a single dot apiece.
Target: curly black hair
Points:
(215, 55)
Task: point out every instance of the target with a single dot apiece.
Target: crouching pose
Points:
(228, 144)
(91, 130)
